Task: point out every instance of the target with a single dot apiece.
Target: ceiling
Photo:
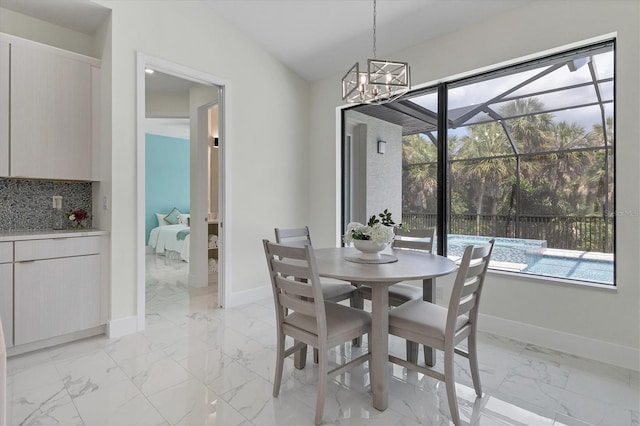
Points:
(314, 38)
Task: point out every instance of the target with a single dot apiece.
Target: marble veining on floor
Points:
(195, 364)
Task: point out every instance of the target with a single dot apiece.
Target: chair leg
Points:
(450, 383)
(357, 302)
(300, 357)
(277, 380)
(412, 352)
(323, 369)
(473, 363)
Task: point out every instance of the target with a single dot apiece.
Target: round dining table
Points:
(410, 265)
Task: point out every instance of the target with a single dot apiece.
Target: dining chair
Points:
(304, 315)
(414, 239)
(444, 328)
(332, 291)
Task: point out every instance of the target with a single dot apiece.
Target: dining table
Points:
(403, 265)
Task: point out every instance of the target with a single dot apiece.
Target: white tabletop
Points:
(411, 265)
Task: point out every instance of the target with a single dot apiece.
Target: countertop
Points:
(49, 233)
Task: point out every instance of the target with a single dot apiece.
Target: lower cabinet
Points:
(6, 301)
(54, 297)
(56, 287)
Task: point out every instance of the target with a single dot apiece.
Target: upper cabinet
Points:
(4, 108)
(50, 110)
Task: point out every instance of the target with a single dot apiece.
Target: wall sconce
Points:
(381, 147)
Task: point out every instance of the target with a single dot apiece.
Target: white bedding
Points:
(164, 239)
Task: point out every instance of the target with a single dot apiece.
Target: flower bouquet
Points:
(78, 217)
(373, 237)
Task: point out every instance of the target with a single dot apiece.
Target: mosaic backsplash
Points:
(26, 205)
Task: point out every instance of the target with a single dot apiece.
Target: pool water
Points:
(533, 257)
(572, 268)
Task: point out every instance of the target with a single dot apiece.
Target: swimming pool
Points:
(533, 257)
(582, 269)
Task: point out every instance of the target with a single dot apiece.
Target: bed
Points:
(171, 240)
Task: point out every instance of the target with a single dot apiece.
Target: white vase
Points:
(369, 250)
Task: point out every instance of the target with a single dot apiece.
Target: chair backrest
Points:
(465, 296)
(416, 239)
(296, 287)
(293, 236)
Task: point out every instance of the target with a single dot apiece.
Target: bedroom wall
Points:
(167, 177)
(588, 321)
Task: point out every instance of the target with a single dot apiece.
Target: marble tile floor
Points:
(195, 364)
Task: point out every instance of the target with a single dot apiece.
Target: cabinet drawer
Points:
(6, 252)
(56, 247)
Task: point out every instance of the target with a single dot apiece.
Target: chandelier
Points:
(384, 81)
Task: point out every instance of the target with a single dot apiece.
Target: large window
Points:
(529, 161)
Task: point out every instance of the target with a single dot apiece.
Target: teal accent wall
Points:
(166, 177)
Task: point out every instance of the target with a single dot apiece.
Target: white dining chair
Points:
(303, 314)
(444, 328)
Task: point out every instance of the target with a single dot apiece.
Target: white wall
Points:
(268, 166)
(167, 104)
(34, 29)
(382, 172)
(603, 324)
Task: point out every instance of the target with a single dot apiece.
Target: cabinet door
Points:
(50, 115)
(4, 108)
(54, 297)
(6, 302)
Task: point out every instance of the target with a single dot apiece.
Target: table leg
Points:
(379, 341)
(429, 295)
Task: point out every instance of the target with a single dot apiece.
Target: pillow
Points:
(161, 220)
(172, 217)
(184, 218)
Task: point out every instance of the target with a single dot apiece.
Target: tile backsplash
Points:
(26, 204)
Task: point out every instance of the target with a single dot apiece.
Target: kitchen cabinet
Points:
(50, 113)
(6, 291)
(4, 108)
(56, 287)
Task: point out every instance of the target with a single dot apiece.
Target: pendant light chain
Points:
(381, 82)
(374, 30)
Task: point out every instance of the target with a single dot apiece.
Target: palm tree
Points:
(483, 172)
(419, 160)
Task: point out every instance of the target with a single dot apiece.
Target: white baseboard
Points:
(58, 340)
(248, 296)
(611, 353)
(122, 326)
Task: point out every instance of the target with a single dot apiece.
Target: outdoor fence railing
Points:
(585, 233)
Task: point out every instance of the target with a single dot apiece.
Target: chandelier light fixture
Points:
(384, 81)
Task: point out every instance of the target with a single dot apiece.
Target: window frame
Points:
(443, 162)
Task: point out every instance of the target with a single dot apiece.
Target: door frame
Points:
(224, 272)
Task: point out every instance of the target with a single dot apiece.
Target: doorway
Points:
(204, 93)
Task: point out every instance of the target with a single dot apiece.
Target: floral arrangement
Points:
(378, 229)
(78, 216)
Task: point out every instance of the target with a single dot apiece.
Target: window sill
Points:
(554, 280)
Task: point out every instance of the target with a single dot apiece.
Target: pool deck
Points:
(576, 254)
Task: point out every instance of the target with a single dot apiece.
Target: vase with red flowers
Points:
(78, 218)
